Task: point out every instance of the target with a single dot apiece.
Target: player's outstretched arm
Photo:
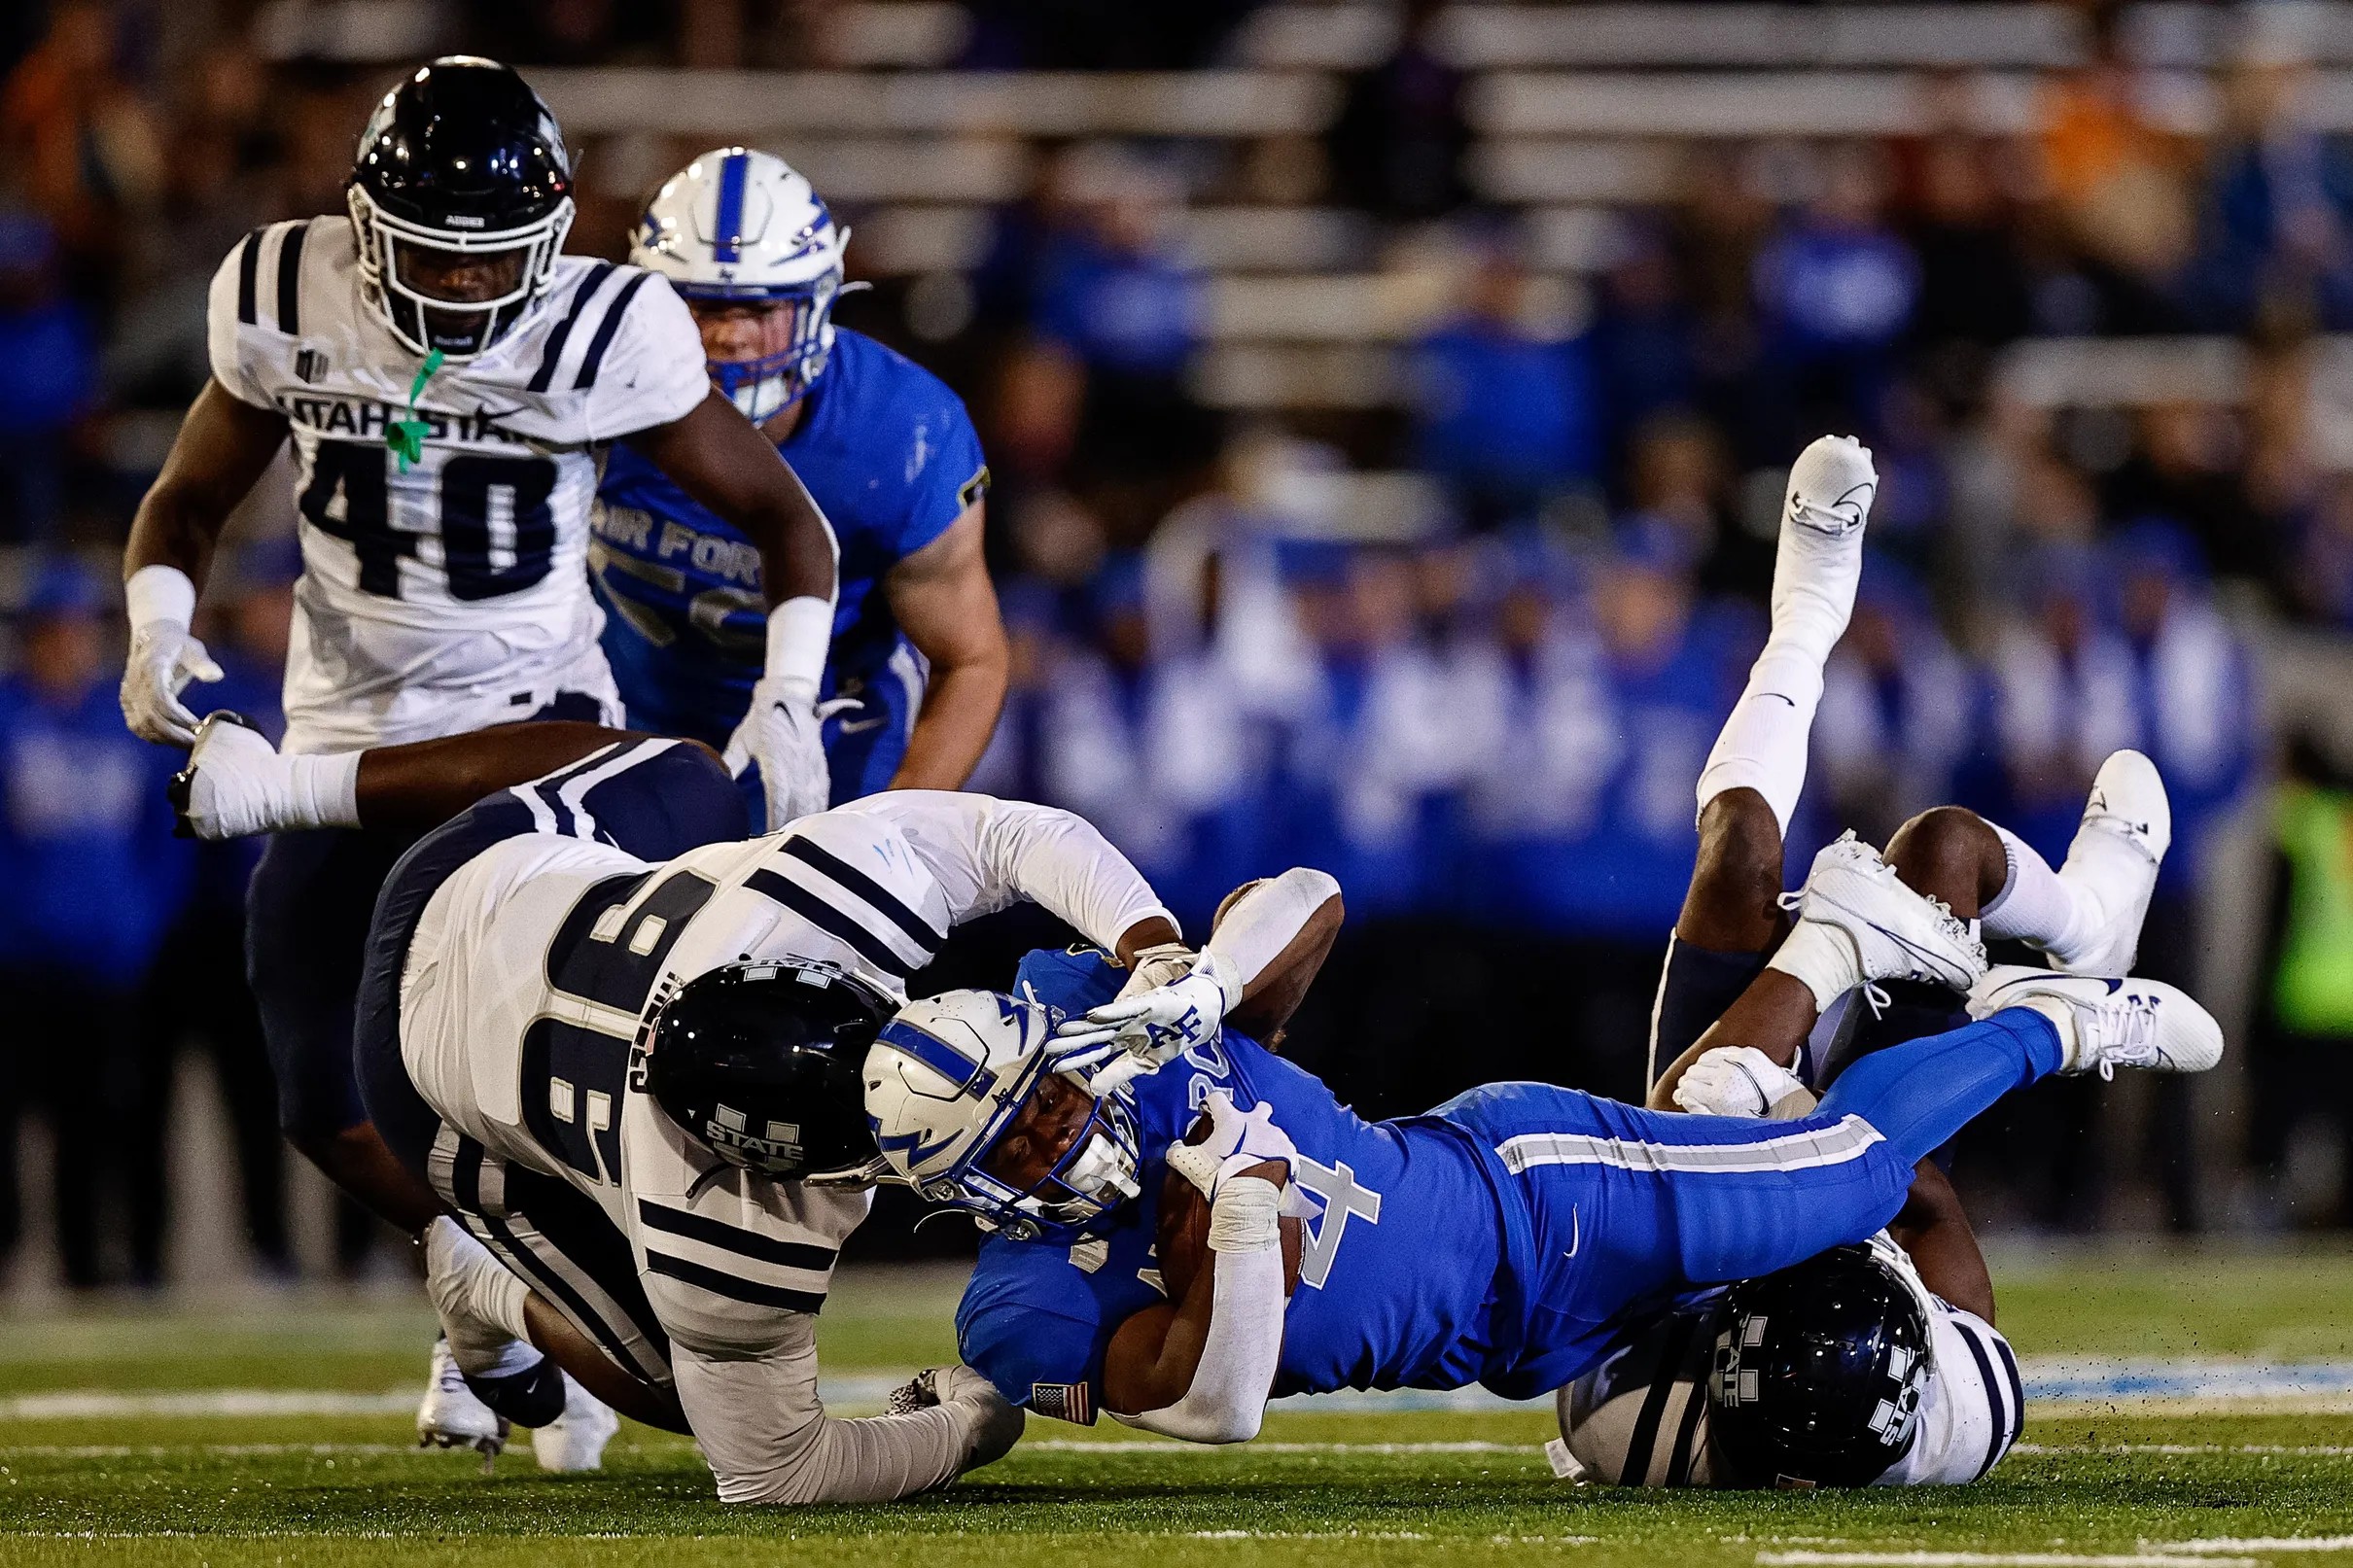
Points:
(224, 444)
(1277, 931)
(720, 459)
(943, 600)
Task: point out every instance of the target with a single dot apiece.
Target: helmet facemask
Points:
(793, 335)
(457, 328)
(1094, 1171)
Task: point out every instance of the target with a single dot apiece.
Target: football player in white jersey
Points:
(1878, 1365)
(447, 376)
(622, 1044)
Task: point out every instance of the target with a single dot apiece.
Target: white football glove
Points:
(163, 659)
(1237, 1141)
(1156, 1025)
(1737, 1080)
(783, 731)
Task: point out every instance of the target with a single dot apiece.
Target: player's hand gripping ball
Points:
(1182, 1231)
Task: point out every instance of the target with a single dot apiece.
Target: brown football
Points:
(1183, 1235)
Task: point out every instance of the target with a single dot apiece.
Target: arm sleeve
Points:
(1266, 920)
(1226, 1400)
(231, 357)
(768, 1439)
(988, 854)
(652, 372)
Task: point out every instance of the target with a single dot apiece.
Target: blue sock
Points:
(1922, 1092)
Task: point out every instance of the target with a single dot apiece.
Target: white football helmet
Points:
(736, 226)
(946, 1078)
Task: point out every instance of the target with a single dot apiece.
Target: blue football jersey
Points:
(1397, 1265)
(891, 457)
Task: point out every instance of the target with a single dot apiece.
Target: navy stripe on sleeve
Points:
(885, 902)
(289, 279)
(735, 1238)
(605, 331)
(830, 920)
(249, 266)
(555, 350)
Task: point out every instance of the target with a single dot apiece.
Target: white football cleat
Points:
(1831, 486)
(576, 1440)
(2105, 1023)
(234, 784)
(452, 1417)
(1897, 932)
(2126, 828)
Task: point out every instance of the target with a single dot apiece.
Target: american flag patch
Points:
(1065, 1402)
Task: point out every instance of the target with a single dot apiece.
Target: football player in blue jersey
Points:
(919, 659)
(1177, 1245)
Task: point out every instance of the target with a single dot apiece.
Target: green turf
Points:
(1318, 1488)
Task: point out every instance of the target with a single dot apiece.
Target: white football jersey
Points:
(453, 593)
(1640, 1417)
(532, 965)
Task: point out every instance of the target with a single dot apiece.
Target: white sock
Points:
(1823, 957)
(1763, 744)
(480, 1304)
(2037, 906)
(323, 792)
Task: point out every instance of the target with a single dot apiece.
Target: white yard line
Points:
(1862, 1559)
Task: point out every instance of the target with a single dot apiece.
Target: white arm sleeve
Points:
(768, 1440)
(987, 853)
(1227, 1399)
(1264, 921)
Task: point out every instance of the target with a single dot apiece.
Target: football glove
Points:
(1237, 1141)
(782, 732)
(163, 659)
(1143, 1029)
(1738, 1080)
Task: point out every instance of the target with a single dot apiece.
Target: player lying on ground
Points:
(621, 1044)
(1500, 1239)
(1876, 1364)
(447, 379)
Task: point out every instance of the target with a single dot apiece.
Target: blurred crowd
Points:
(1463, 644)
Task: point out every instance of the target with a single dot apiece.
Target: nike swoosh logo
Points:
(859, 726)
(1576, 1233)
(1792, 701)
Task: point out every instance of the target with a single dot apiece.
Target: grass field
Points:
(113, 1448)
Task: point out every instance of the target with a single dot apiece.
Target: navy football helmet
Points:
(1818, 1372)
(461, 161)
(759, 1063)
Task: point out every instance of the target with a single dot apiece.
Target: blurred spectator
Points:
(1836, 289)
(1581, 807)
(83, 141)
(1643, 342)
(2278, 211)
(1973, 285)
(2184, 466)
(47, 379)
(1398, 145)
(1081, 35)
(94, 876)
(1115, 294)
(1504, 408)
(1899, 711)
(2305, 1012)
(2119, 178)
